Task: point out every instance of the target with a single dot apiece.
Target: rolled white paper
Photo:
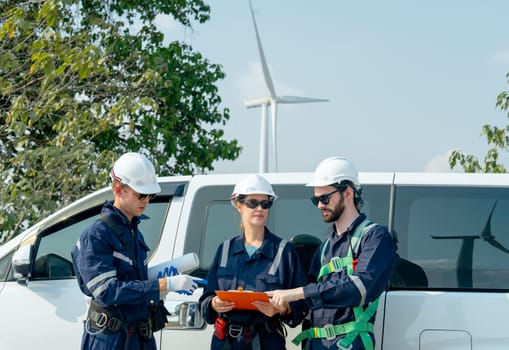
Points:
(184, 264)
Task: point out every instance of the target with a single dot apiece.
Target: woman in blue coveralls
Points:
(110, 260)
(256, 260)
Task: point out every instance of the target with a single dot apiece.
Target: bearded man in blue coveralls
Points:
(110, 260)
(348, 272)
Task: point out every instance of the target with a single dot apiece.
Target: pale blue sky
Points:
(408, 81)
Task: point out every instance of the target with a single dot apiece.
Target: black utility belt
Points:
(269, 327)
(99, 318)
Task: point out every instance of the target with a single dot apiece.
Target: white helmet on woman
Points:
(253, 184)
(332, 171)
(136, 171)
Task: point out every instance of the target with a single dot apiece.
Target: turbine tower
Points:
(273, 100)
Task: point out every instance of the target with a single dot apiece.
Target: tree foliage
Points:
(497, 137)
(78, 87)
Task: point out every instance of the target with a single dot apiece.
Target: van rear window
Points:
(452, 237)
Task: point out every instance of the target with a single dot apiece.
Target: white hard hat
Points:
(332, 171)
(136, 171)
(253, 184)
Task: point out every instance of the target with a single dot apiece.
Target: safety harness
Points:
(361, 325)
(225, 328)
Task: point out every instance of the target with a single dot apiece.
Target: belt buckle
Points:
(103, 319)
(330, 334)
(336, 263)
(145, 330)
(235, 330)
(114, 324)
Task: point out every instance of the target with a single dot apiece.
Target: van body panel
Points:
(411, 316)
(42, 315)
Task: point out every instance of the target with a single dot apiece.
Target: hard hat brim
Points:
(147, 189)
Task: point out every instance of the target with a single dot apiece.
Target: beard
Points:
(336, 212)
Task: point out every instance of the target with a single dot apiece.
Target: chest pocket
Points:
(125, 259)
(271, 282)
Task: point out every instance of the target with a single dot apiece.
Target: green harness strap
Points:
(337, 264)
(361, 326)
(354, 328)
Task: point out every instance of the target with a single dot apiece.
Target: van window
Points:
(5, 265)
(53, 256)
(293, 217)
(453, 237)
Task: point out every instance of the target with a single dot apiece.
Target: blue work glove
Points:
(182, 284)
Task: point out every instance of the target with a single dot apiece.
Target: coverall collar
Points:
(332, 228)
(268, 248)
(109, 209)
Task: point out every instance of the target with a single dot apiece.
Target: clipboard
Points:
(243, 299)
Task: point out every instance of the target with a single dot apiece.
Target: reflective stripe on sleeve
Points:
(102, 287)
(100, 278)
(360, 286)
(121, 256)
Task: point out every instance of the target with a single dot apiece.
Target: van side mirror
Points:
(21, 261)
(186, 316)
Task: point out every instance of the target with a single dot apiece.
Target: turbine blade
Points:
(488, 236)
(265, 67)
(298, 99)
(493, 242)
(454, 237)
(486, 231)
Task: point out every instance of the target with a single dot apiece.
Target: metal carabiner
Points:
(103, 319)
(235, 330)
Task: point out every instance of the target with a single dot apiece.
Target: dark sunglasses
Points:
(324, 198)
(254, 203)
(142, 196)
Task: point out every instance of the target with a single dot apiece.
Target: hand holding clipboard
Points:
(243, 299)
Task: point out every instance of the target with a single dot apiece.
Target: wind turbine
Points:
(273, 100)
(466, 255)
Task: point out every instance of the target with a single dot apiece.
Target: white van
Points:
(450, 289)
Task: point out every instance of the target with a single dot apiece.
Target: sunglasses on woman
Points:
(254, 203)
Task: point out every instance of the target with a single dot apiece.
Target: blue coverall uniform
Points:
(108, 273)
(252, 274)
(332, 300)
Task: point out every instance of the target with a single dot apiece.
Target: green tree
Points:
(497, 137)
(78, 88)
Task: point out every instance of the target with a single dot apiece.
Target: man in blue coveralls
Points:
(350, 269)
(110, 259)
